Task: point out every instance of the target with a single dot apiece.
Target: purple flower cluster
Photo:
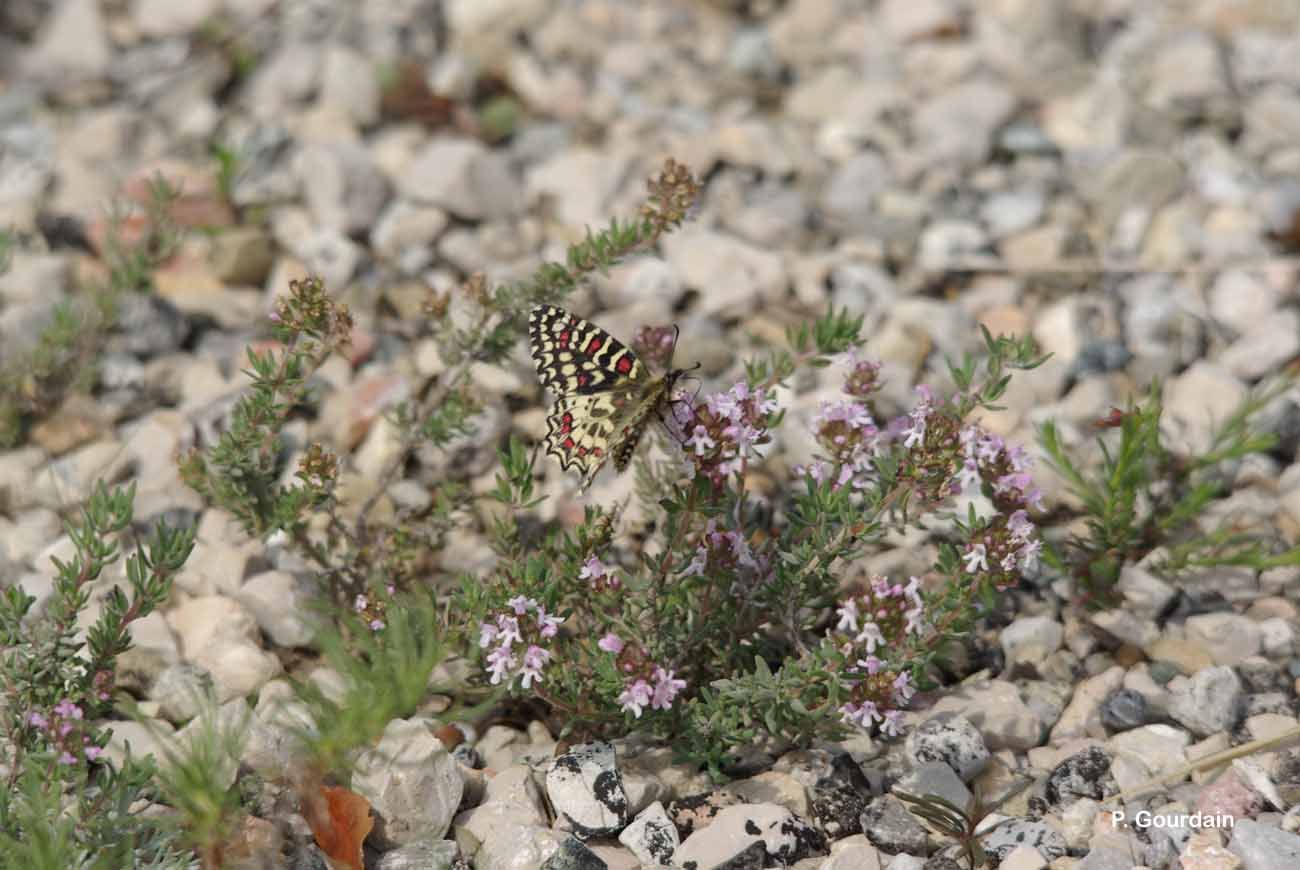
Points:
(1004, 549)
(852, 441)
(65, 729)
(509, 632)
(1008, 545)
(880, 618)
(725, 551)
(374, 609)
(722, 433)
(651, 684)
(1006, 468)
(878, 698)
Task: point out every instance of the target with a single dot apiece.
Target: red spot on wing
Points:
(584, 379)
(582, 451)
(596, 451)
(568, 443)
(624, 365)
(594, 345)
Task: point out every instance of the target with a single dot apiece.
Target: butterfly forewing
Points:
(604, 396)
(573, 355)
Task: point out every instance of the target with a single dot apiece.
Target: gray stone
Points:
(74, 43)
(1229, 638)
(651, 836)
(958, 123)
(745, 833)
(729, 274)
(1124, 710)
(181, 692)
(1030, 640)
(440, 855)
(412, 783)
(159, 19)
(935, 778)
(849, 198)
(1208, 702)
(1265, 347)
(1264, 847)
(1006, 213)
(586, 788)
(341, 185)
(1105, 859)
(952, 740)
(1145, 593)
(463, 177)
(997, 709)
(889, 825)
(1040, 836)
(282, 604)
(1085, 774)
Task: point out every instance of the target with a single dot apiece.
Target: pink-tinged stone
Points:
(1229, 796)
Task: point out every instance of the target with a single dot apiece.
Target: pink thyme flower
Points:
(534, 660)
(666, 688)
(635, 697)
(863, 714)
(892, 726)
(592, 569)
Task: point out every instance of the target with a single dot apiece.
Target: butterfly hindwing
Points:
(578, 432)
(575, 356)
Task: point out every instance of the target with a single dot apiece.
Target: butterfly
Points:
(604, 396)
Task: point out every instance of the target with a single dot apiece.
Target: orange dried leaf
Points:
(340, 820)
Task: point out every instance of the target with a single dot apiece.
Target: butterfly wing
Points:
(579, 430)
(604, 395)
(576, 357)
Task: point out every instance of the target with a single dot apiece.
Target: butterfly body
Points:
(605, 397)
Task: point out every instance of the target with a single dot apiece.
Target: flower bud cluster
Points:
(863, 379)
(374, 608)
(65, 729)
(655, 344)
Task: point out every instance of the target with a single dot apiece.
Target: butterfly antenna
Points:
(677, 333)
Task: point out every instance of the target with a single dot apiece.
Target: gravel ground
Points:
(1118, 178)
